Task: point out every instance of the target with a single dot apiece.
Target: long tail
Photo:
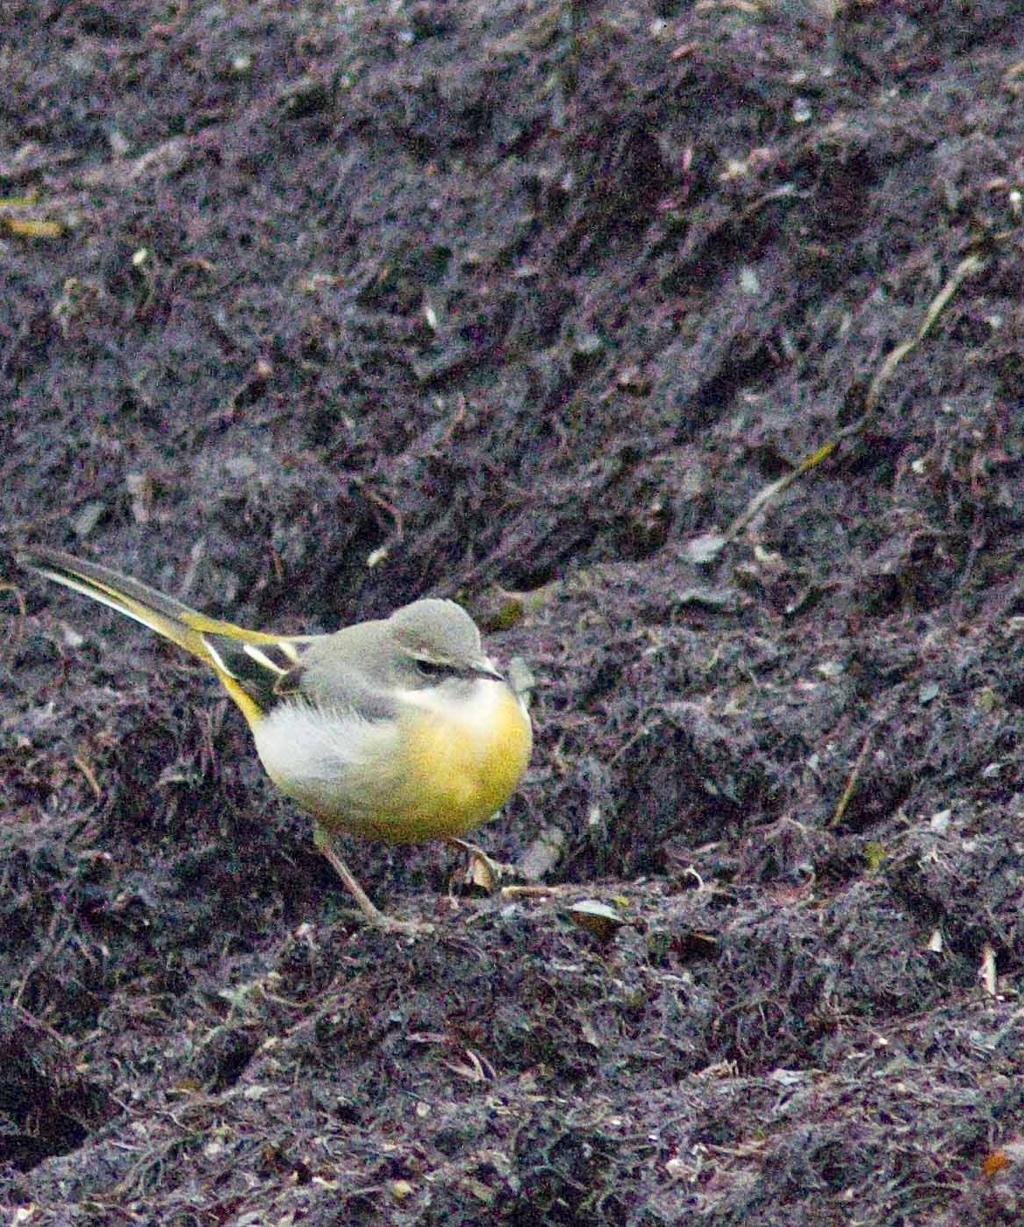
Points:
(234, 652)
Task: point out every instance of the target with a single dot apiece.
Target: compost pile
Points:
(682, 343)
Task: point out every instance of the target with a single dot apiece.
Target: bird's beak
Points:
(486, 667)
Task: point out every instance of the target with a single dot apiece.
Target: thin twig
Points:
(969, 266)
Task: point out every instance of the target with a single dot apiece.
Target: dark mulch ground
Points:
(325, 306)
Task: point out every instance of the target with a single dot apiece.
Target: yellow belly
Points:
(439, 773)
(457, 776)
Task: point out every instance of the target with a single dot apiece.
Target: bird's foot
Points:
(370, 912)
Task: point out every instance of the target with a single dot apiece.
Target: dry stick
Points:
(83, 765)
(987, 971)
(542, 892)
(854, 776)
(969, 266)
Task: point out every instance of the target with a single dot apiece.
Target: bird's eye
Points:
(430, 668)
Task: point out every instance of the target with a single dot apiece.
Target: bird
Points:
(399, 729)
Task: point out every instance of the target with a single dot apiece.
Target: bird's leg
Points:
(373, 914)
(492, 871)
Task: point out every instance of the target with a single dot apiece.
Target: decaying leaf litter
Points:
(680, 342)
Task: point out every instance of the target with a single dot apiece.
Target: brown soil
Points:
(501, 297)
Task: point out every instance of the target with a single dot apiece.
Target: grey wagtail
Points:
(399, 729)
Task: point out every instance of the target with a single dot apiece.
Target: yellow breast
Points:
(462, 765)
(443, 767)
